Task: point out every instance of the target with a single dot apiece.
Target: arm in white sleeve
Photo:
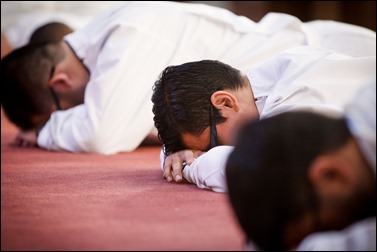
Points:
(117, 112)
(314, 79)
(162, 158)
(208, 170)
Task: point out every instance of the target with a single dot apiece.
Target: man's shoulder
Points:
(360, 236)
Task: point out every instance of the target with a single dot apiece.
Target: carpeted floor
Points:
(67, 201)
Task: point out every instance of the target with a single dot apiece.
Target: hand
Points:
(174, 163)
(26, 138)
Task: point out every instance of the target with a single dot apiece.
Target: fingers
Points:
(174, 164)
(188, 156)
(167, 169)
(191, 155)
(177, 168)
(173, 167)
(24, 143)
(25, 139)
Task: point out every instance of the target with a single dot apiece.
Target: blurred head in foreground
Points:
(298, 173)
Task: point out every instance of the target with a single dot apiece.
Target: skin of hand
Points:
(26, 138)
(174, 163)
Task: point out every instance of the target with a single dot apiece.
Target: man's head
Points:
(188, 98)
(294, 174)
(25, 94)
(39, 79)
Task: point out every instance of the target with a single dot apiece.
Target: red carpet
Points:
(68, 201)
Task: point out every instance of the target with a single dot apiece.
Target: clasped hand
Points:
(174, 163)
(26, 138)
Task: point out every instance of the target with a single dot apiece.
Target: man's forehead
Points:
(196, 142)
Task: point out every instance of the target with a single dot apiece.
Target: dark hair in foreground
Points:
(181, 99)
(267, 171)
(24, 83)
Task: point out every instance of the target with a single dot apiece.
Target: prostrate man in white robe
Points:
(201, 105)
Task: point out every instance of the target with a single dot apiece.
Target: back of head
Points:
(24, 83)
(267, 172)
(50, 32)
(181, 98)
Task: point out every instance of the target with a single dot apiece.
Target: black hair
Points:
(267, 171)
(24, 82)
(181, 99)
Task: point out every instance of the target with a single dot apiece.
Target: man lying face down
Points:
(198, 105)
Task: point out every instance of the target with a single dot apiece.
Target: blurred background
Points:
(20, 18)
(362, 13)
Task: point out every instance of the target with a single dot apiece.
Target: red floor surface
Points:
(67, 201)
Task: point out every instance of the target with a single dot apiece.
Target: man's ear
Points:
(61, 82)
(225, 102)
(329, 174)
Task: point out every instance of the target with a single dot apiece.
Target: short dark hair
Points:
(50, 32)
(24, 82)
(181, 98)
(267, 171)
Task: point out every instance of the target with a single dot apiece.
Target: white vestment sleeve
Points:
(162, 158)
(208, 170)
(314, 79)
(117, 112)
